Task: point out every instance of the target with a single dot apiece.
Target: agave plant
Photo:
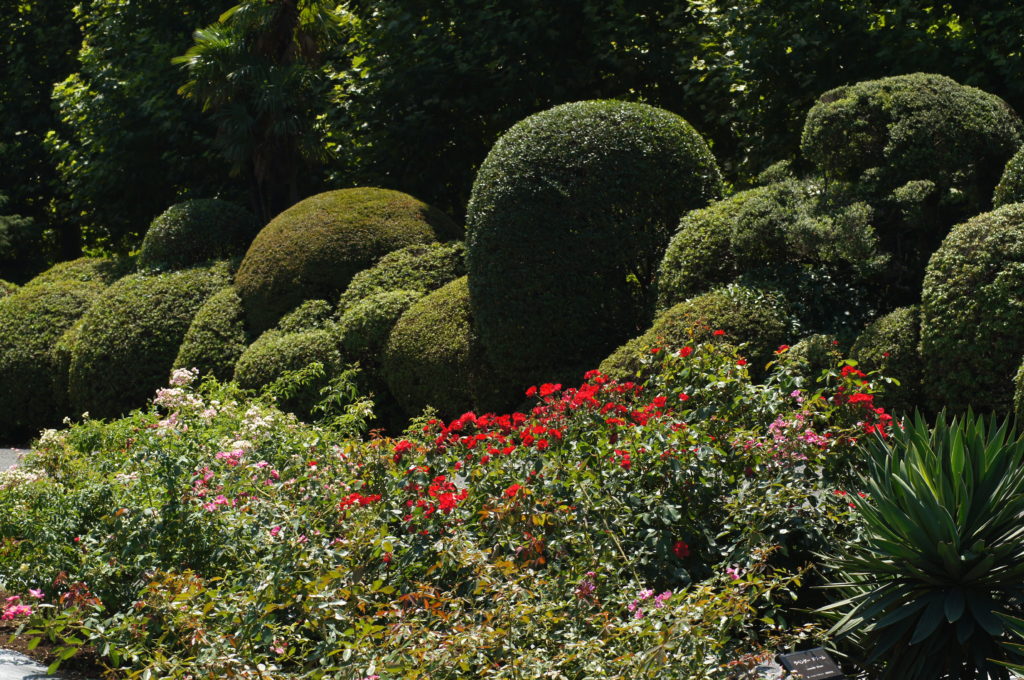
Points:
(940, 564)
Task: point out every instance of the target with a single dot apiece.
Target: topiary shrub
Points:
(216, 337)
(890, 345)
(130, 337)
(1018, 394)
(276, 352)
(569, 216)
(308, 316)
(885, 133)
(421, 267)
(810, 356)
(31, 322)
(7, 288)
(97, 269)
(760, 319)
(1011, 187)
(313, 249)
(757, 232)
(433, 358)
(196, 231)
(972, 313)
(60, 356)
(363, 330)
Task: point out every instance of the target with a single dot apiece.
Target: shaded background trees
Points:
(300, 95)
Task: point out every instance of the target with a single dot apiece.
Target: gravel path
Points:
(8, 457)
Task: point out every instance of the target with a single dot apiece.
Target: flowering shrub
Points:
(614, 530)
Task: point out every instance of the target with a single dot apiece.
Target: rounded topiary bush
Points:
(196, 231)
(885, 133)
(310, 315)
(95, 269)
(7, 288)
(364, 328)
(276, 352)
(890, 345)
(421, 267)
(1011, 187)
(759, 319)
(760, 230)
(810, 356)
(31, 322)
(130, 337)
(313, 249)
(216, 337)
(972, 313)
(433, 358)
(569, 216)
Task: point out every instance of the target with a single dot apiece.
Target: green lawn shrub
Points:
(569, 216)
(890, 345)
(130, 337)
(882, 134)
(1011, 187)
(98, 269)
(433, 357)
(6, 288)
(972, 314)
(759, 319)
(31, 322)
(276, 352)
(313, 249)
(194, 232)
(216, 337)
(420, 267)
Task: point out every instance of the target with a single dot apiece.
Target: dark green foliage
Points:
(276, 352)
(98, 269)
(364, 328)
(31, 322)
(126, 146)
(1018, 394)
(309, 316)
(313, 249)
(890, 345)
(423, 268)
(61, 355)
(812, 355)
(1011, 187)
(23, 252)
(760, 319)
(784, 235)
(131, 335)
(194, 232)
(569, 217)
(216, 337)
(972, 313)
(940, 555)
(885, 133)
(433, 357)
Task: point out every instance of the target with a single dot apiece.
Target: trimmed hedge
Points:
(433, 358)
(890, 345)
(972, 313)
(313, 249)
(216, 337)
(421, 267)
(194, 232)
(761, 229)
(96, 269)
(568, 219)
(276, 352)
(760, 319)
(130, 337)
(31, 322)
(7, 288)
(810, 356)
(882, 134)
(310, 315)
(363, 330)
(1011, 186)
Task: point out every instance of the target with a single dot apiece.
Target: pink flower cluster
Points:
(13, 607)
(646, 594)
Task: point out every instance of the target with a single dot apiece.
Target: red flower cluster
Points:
(356, 498)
